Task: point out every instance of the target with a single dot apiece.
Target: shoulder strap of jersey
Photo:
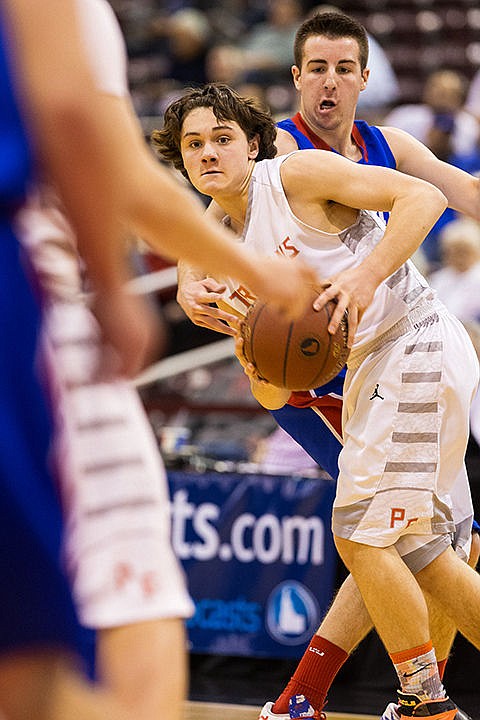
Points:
(377, 150)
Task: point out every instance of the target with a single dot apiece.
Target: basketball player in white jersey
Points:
(126, 582)
(395, 473)
(330, 72)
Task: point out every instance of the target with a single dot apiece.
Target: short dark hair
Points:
(226, 104)
(332, 25)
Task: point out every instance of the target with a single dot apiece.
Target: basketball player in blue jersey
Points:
(331, 54)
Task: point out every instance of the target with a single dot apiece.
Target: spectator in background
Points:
(442, 124)
(458, 280)
(263, 54)
(440, 121)
(267, 47)
(472, 103)
(458, 285)
(187, 33)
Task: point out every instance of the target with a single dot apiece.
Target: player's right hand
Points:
(196, 298)
(268, 395)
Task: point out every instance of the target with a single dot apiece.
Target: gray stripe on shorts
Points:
(424, 347)
(137, 504)
(414, 437)
(109, 465)
(430, 407)
(410, 467)
(421, 377)
(100, 423)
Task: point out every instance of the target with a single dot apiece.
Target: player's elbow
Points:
(434, 198)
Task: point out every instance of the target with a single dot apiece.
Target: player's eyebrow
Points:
(317, 61)
(216, 127)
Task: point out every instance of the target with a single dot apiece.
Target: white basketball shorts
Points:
(113, 485)
(406, 407)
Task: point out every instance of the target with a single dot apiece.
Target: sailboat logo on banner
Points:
(291, 614)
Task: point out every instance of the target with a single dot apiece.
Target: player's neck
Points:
(339, 138)
(234, 212)
(235, 204)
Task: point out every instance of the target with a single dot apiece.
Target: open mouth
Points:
(327, 105)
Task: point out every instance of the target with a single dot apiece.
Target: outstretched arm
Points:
(461, 189)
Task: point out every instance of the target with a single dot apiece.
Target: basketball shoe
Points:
(439, 709)
(392, 712)
(299, 709)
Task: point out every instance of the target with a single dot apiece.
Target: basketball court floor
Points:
(225, 711)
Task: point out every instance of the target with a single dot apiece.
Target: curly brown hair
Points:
(226, 105)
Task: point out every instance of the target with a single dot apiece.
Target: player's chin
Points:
(214, 180)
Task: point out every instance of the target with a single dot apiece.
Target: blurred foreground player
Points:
(38, 631)
(44, 71)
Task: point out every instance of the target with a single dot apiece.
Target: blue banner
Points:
(259, 556)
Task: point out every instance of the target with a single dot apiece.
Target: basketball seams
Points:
(286, 353)
(326, 354)
(252, 333)
(275, 346)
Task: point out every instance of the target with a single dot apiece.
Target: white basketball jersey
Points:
(271, 227)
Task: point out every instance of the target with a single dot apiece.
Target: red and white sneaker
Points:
(299, 709)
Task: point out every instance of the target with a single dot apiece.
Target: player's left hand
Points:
(353, 291)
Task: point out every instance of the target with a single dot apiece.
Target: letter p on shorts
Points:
(397, 515)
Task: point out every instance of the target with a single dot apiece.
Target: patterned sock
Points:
(314, 674)
(418, 672)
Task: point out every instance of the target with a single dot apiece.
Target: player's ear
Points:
(365, 76)
(253, 147)
(296, 76)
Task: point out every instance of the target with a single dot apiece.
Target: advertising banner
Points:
(259, 556)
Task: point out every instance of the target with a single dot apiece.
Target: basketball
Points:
(298, 355)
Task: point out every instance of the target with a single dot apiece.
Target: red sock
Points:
(314, 674)
(441, 667)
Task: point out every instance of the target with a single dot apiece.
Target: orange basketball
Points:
(298, 355)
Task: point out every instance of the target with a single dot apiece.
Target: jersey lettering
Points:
(243, 295)
(287, 249)
(398, 515)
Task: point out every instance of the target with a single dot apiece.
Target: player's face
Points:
(217, 155)
(329, 81)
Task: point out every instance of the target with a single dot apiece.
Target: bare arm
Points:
(198, 294)
(372, 188)
(68, 126)
(59, 99)
(461, 189)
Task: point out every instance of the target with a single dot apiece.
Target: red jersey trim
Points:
(328, 405)
(320, 144)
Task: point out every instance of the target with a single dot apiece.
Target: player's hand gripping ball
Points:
(298, 355)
